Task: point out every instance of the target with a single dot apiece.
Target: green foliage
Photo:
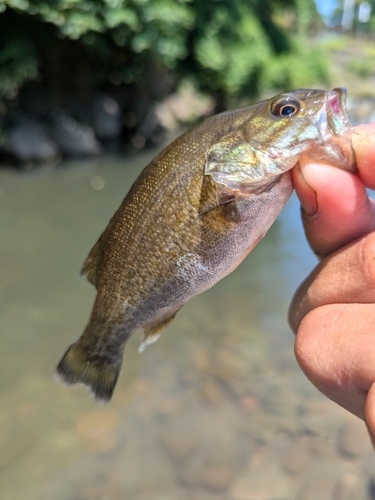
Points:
(285, 70)
(361, 67)
(18, 63)
(232, 58)
(244, 48)
(337, 42)
(231, 47)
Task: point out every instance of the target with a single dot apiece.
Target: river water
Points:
(216, 409)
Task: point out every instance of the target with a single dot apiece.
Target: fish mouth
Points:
(340, 123)
(338, 126)
(337, 99)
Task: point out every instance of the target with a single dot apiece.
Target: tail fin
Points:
(101, 378)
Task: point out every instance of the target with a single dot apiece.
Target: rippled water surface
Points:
(213, 410)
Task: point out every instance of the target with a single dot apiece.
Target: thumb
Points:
(335, 207)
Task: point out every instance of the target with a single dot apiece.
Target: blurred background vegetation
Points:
(58, 58)
(228, 47)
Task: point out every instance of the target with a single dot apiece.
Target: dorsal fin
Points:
(91, 263)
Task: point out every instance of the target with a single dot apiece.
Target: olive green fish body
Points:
(192, 216)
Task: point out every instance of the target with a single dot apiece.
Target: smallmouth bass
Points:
(193, 215)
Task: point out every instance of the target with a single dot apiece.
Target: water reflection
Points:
(213, 410)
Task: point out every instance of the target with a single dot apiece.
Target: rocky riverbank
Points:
(35, 131)
(40, 127)
(43, 138)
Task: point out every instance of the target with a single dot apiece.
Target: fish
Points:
(193, 215)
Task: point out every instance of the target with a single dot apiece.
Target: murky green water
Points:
(189, 414)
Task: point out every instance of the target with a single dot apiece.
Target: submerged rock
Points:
(296, 460)
(28, 141)
(177, 445)
(73, 138)
(106, 120)
(262, 482)
(353, 439)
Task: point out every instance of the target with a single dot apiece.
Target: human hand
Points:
(333, 311)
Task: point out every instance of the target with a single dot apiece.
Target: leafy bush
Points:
(18, 63)
(229, 47)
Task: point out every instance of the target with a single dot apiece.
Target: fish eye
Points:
(285, 108)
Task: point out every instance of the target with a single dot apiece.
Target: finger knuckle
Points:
(367, 258)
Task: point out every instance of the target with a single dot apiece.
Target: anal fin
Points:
(152, 333)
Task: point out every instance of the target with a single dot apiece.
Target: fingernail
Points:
(309, 202)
